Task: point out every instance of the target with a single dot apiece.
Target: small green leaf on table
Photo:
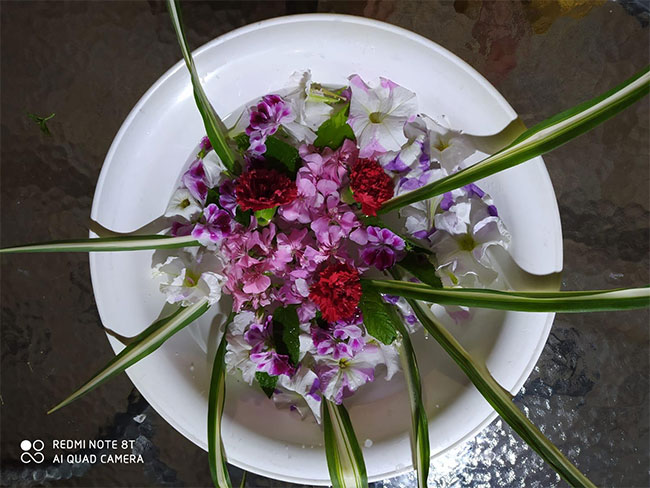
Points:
(42, 122)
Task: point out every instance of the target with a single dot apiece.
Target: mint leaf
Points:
(286, 332)
(335, 130)
(419, 265)
(379, 317)
(266, 382)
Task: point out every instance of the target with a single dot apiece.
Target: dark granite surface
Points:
(89, 62)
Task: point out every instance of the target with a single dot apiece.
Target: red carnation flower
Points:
(337, 292)
(371, 185)
(262, 188)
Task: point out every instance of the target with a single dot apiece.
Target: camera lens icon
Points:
(27, 456)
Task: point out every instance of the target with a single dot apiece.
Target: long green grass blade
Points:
(99, 244)
(420, 448)
(538, 140)
(344, 458)
(214, 126)
(216, 453)
(145, 344)
(523, 301)
(501, 400)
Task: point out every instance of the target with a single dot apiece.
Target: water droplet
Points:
(367, 443)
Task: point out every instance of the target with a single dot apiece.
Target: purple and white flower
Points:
(377, 115)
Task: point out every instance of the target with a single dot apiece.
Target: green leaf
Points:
(286, 154)
(267, 382)
(379, 317)
(420, 448)
(265, 216)
(501, 400)
(279, 155)
(344, 458)
(42, 122)
(212, 197)
(98, 244)
(144, 344)
(420, 266)
(242, 141)
(214, 126)
(335, 130)
(286, 331)
(216, 401)
(538, 140)
(243, 216)
(523, 301)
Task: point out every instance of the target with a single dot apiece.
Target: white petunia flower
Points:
(449, 147)
(377, 115)
(238, 349)
(188, 278)
(183, 204)
(463, 234)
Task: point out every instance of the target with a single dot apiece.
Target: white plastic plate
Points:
(142, 169)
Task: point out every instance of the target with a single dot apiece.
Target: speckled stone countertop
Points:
(91, 61)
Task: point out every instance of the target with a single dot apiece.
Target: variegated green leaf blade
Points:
(522, 301)
(538, 140)
(214, 127)
(147, 343)
(501, 400)
(420, 448)
(216, 453)
(344, 458)
(106, 244)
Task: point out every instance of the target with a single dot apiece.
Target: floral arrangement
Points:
(283, 214)
(290, 245)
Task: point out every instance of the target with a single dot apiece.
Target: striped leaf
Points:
(98, 244)
(214, 126)
(420, 449)
(216, 453)
(146, 343)
(538, 140)
(501, 400)
(344, 458)
(523, 301)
